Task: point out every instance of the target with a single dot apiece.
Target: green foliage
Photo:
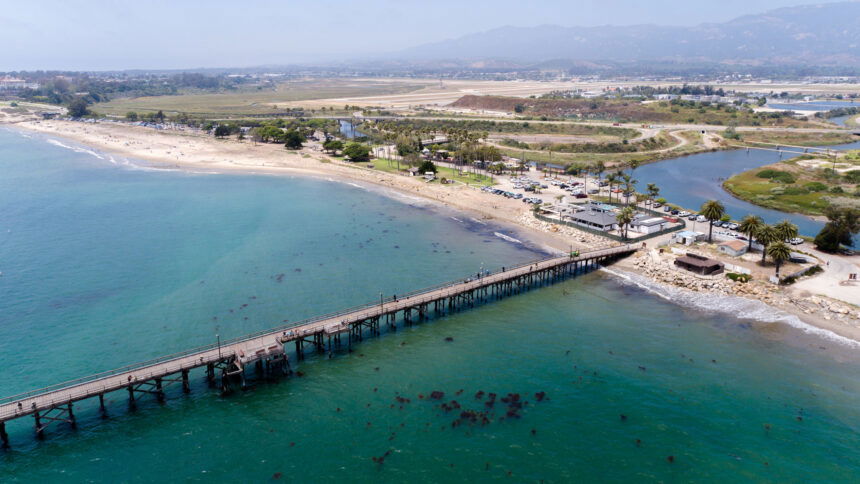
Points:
(356, 151)
(78, 108)
(131, 116)
(519, 108)
(777, 175)
(222, 130)
(738, 277)
(515, 144)
(815, 187)
(293, 139)
(270, 134)
(427, 166)
(795, 191)
(712, 210)
(843, 223)
(731, 133)
(332, 145)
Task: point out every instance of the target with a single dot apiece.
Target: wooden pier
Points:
(267, 351)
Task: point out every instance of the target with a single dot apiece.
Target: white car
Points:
(796, 241)
(701, 218)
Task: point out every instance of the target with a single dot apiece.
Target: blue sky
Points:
(113, 34)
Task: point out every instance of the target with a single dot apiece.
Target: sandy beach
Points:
(194, 151)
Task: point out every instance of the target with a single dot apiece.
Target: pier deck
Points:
(54, 403)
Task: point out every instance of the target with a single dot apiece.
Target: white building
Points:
(648, 225)
(12, 84)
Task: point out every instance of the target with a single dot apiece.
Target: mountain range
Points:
(819, 35)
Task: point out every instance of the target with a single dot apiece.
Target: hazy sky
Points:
(115, 34)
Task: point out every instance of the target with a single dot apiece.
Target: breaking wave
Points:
(507, 238)
(728, 305)
(75, 149)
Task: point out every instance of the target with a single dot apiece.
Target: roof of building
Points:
(689, 233)
(735, 245)
(648, 222)
(698, 261)
(595, 218)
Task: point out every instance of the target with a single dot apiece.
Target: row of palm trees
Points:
(772, 238)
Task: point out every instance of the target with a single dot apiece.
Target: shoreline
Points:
(262, 159)
(233, 157)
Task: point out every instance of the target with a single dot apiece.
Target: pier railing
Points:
(306, 322)
(476, 278)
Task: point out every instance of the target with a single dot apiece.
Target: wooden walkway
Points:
(266, 350)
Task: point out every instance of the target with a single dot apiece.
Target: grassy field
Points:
(253, 102)
(809, 192)
(694, 145)
(629, 111)
(390, 166)
(798, 139)
(501, 127)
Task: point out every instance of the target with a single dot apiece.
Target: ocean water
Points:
(105, 263)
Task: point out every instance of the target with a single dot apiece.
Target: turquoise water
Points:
(104, 264)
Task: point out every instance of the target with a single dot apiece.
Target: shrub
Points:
(815, 187)
(795, 191)
(738, 277)
(837, 189)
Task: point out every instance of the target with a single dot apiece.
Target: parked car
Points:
(675, 212)
(701, 218)
(657, 204)
(796, 241)
(684, 213)
(734, 226)
(692, 217)
(581, 195)
(667, 208)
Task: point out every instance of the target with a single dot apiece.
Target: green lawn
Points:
(760, 191)
(391, 166)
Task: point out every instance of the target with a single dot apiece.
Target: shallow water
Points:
(105, 264)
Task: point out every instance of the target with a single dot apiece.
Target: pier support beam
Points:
(210, 374)
(186, 387)
(102, 409)
(4, 437)
(39, 427)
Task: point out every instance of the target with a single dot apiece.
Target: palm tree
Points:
(653, 192)
(786, 230)
(749, 226)
(780, 253)
(712, 210)
(612, 179)
(629, 185)
(598, 170)
(765, 236)
(633, 164)
(624, 218)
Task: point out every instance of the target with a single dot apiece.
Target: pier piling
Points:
(267, 349)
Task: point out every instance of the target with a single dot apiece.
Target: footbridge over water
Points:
(267, 352)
